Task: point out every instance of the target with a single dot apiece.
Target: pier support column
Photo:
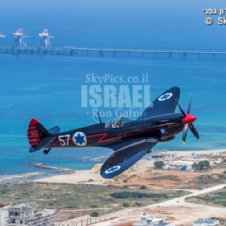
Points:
(170, 55)
(100, 53)
(128, 54)
(156, 55)
(87, 53)
(114, 54)
(185, 55)
(142, 54)
(213, 56)
(199, 55)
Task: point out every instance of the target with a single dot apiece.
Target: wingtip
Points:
(183, 142)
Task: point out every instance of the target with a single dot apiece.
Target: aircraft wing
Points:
(163, 104)
(126, 154)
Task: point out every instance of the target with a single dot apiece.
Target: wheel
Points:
(46, 152)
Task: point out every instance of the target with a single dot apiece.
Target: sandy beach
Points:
(80, 176)
(93, 176)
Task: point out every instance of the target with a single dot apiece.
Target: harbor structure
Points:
(45, 37)
(19, 38)
(1, 35)
(21, 47)
(44, 48)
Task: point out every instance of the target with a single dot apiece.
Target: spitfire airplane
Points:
(129, 139)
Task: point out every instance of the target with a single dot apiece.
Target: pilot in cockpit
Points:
(115, 124)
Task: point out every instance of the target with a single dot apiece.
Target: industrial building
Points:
(25, 215)
(152, 221)
(3, 214)
(206, 222)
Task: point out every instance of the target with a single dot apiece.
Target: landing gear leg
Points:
(46, 152)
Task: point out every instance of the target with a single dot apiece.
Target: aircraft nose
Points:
(188, 119)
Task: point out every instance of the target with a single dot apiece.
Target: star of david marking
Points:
(113, 169)
(79, 139)
(165, 96)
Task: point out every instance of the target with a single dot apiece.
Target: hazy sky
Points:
(111, 16)
(22, 4)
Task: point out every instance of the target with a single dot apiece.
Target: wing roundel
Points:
(165, 103)
(118, 162)
(126, 156)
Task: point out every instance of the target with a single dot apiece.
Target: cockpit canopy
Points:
(117, 123)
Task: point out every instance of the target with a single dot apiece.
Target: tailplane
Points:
(38, 136)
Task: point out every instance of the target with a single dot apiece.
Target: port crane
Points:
(1, 35)
(19, 40)
(45, 37)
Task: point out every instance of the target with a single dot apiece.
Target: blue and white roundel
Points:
(113, 169)
(79, 138)
(165, 96)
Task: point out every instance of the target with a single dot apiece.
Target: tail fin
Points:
(38, 135)
(36, 132)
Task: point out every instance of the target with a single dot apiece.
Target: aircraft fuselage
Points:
(162, 127)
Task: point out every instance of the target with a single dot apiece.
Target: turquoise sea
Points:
(49, 87)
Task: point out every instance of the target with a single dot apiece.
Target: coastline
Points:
(91, 176)
(191, 152)
(23, 176)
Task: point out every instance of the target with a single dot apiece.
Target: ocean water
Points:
(49, 88)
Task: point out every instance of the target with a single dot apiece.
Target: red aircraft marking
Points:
(103, 135)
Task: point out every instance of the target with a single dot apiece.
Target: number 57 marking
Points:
(62, 140)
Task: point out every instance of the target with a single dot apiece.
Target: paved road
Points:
(198, 210)
(192, 211)
(181, 200)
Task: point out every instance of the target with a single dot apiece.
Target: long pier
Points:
(72, 51)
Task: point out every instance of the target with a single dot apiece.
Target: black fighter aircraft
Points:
(129, 139)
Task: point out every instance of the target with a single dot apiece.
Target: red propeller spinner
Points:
(188, 119)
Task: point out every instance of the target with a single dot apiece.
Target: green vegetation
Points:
(137, 204)
(91, 180)
(81, 196)
(158, 164)
(201, 165)
(94, 214)
(143, 187)
(125, 204)
(206, 180)
(217, 198)
(135, 195)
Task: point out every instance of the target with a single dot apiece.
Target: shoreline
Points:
(191, 152)
(81, 176)
(23, 176)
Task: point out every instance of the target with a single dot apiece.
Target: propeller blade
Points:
(184, 133)
(181, 110)
(189, 106)
(194, 131)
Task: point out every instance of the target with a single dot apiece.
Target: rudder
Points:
(36, 132)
